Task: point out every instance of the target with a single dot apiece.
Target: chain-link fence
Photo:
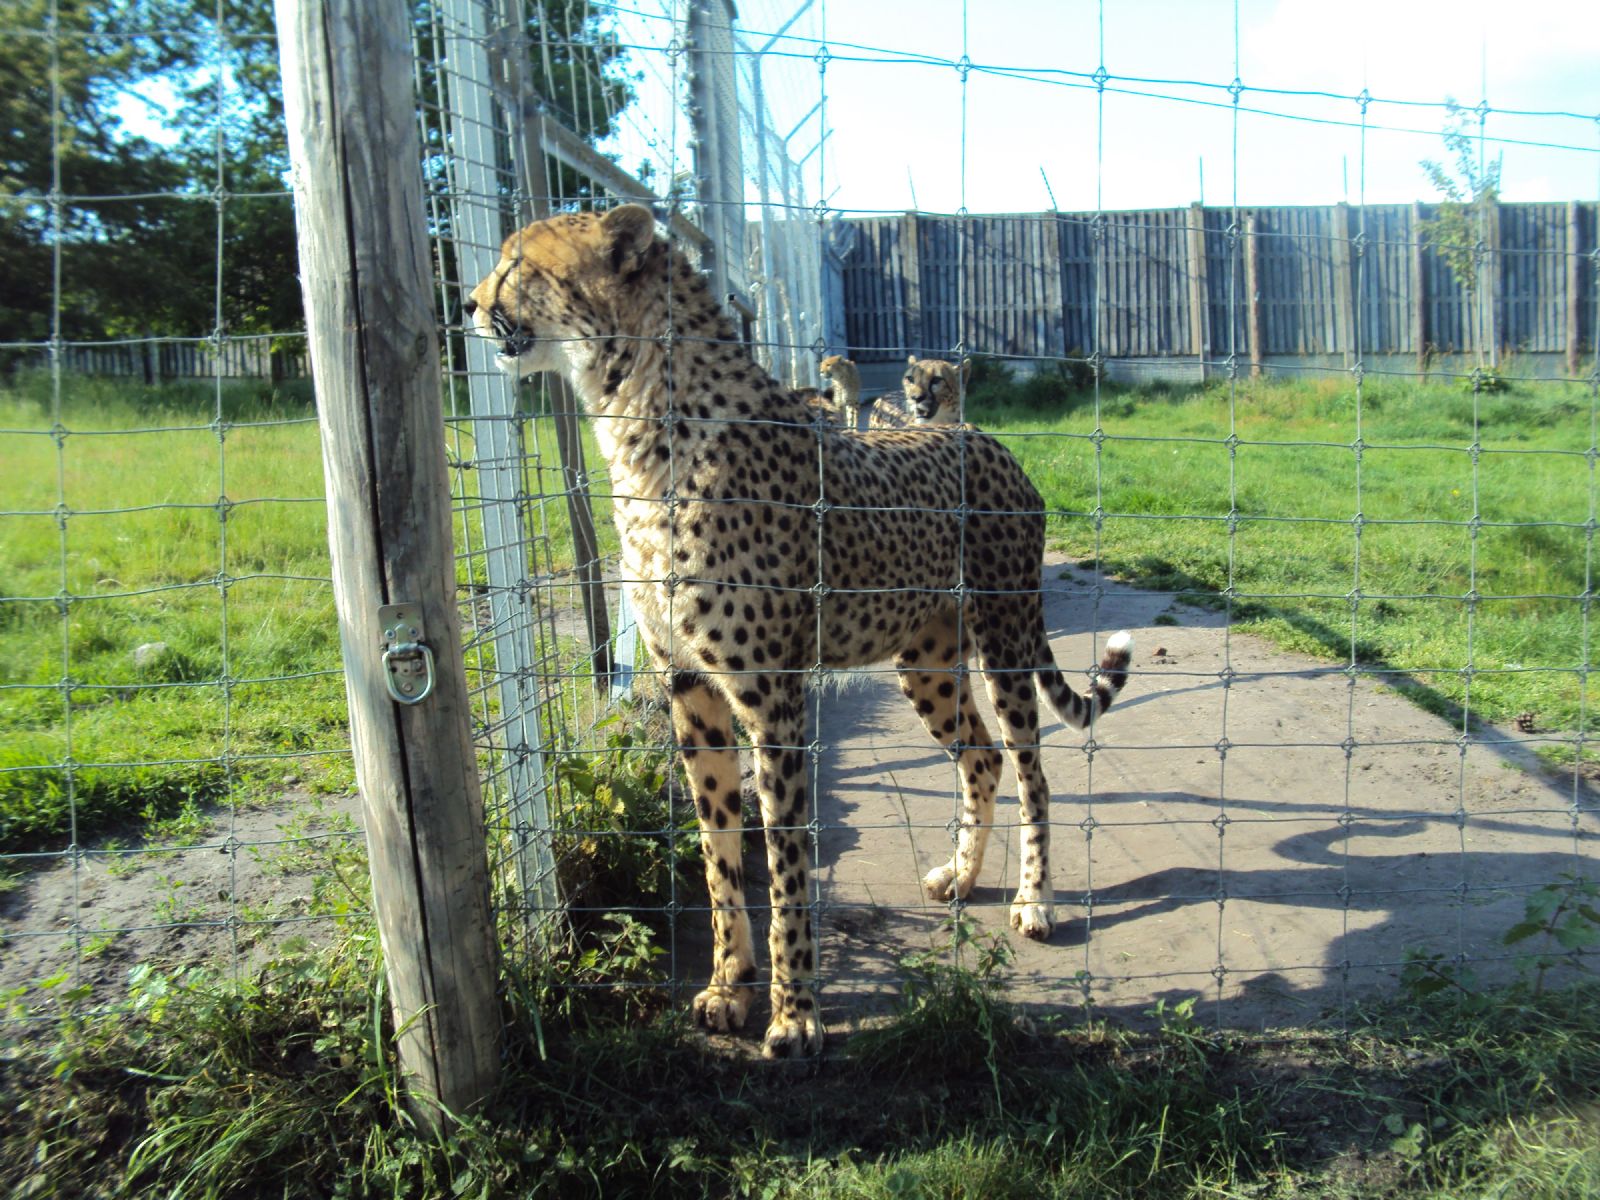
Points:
(1355, 741)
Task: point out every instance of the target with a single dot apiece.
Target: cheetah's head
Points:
(558, 282)
(933, 388)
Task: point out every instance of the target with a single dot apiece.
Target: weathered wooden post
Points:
(1199, 291)
(1346, 300)
(368, 286)
(1252, 292)
(1574, 307)
(1419, 291)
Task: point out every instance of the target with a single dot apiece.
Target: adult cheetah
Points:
(930, 394)
(759, 545)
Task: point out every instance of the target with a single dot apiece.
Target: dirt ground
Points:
(241, 889)
(1222, 843)
(1254, 828)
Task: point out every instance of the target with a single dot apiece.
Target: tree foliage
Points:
(105, 234)
(1469, 186)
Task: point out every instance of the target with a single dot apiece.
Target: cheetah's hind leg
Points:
(942, 697)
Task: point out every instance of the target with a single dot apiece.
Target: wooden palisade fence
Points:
(1320, 285)
(350, 107)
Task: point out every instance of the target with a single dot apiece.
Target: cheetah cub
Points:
(759, 544)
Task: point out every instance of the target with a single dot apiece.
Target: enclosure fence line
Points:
(509, 127)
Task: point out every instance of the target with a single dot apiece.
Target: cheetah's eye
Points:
(935, 384)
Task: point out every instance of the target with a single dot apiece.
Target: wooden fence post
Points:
(1419, 291)
(1344, 281)
(528, 149)
(364, 263)
(1574, 290)
(911, 281)
(1199, 292)
(1252, 291)
(1494, 294)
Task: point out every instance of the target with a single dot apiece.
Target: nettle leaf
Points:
(1521, 931)
(1576, 932)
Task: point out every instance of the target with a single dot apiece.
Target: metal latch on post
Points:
(407, 661)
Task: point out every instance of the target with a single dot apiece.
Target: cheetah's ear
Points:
(911, 360)
(629, 232)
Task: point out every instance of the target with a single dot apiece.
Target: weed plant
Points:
(283, 1084)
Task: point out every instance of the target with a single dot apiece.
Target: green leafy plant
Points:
(621, 841)
(1567, 914)
(1425, 975)
(1470, 189)
(951, 1014)
(1181, 1028)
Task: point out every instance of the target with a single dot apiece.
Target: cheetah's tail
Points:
(1077, 710)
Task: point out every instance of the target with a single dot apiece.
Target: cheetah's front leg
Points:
(703, 724)
(777, 725)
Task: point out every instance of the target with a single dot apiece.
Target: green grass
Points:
(1243, 497)
(134, 556)
(283, 1084)
(1257, 489)
(112, 537)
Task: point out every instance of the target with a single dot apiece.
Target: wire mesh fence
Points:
(1355, 741)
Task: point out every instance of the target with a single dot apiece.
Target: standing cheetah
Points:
(760, 545)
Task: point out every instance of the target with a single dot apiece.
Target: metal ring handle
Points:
(388, 674)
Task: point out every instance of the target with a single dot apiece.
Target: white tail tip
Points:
(1120, 643)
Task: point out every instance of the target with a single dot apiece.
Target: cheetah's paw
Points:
(721, 1008)
(797, 1035)
(937, 882)
(1033, 919)
(944, 884)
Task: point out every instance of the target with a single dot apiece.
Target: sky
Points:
(1029, 130)
(1029, 125)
